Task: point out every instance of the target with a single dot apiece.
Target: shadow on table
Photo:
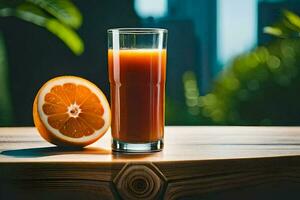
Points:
(50, 151)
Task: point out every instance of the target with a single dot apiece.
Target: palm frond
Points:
(64, 10)
(71, 39)
(32, 13)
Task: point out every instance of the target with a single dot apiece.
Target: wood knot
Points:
(138, 182)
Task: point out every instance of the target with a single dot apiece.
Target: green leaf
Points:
(273, 31)
(287, 27)
(71, 39)
(29, 7)
(65, 33)
(31, 13)
(64, 10)
(292, 18)
(6, 112)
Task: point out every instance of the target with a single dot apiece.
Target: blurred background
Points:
(230, 62)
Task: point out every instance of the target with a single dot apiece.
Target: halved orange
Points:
(71, 111)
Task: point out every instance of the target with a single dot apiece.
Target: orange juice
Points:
(137, 85)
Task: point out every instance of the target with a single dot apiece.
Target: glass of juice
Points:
(137, 76)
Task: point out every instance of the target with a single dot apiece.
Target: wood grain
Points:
(181, 143)
(196, 162)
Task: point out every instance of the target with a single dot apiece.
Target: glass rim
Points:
(137, 30)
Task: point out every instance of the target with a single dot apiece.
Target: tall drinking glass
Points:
(137, 75)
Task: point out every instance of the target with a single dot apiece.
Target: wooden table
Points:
(197, 163)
